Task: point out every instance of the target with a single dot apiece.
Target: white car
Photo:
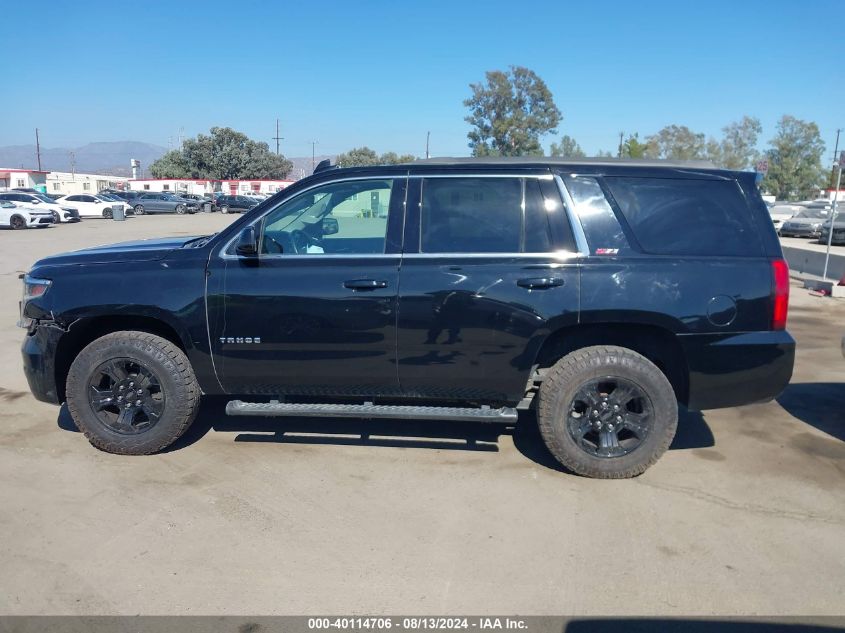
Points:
(93, 205)
(16, 216)
(781, 213)
(61, 212)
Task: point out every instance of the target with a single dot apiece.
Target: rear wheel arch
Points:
(87, 330)
(657, 344)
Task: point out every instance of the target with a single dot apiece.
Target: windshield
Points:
(44, 197)
(810, 214)
(6, 204)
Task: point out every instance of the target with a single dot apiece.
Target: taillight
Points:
(780, 297)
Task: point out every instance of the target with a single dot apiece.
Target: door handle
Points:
(540, 282)
(364, 284)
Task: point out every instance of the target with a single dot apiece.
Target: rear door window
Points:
(670, 216)
(601, 226)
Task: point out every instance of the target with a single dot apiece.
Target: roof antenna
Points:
(323, 165)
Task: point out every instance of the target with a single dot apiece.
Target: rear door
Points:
(489, 267)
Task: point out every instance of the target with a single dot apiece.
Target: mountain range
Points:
(108, 158)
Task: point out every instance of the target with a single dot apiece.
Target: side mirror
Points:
(247, 243)
(330, 226)
(36, 201)
(97, 201)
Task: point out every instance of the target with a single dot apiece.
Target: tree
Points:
(676, 142)
(225, 154)
(510, 113)
(632, 148)
(738, 148)
(795, 159)
(567, 148)
(364, 156)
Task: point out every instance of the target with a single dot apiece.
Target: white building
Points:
(65, 183)
(22, 178)
(200, 186)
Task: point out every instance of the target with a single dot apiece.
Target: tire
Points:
(56, 217)
(595, 370)
(139, 209)
(180, 209)
(17, 222)
(224, 209)
(177, 390)
(107, 214)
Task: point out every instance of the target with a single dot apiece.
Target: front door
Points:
(314, 313)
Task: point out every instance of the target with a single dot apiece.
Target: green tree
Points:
(676, 142)
(738, 147)
(364, 156)
(795, 159)
(604, 154)
(509, 113)
(567, 148)
(633, 148)
(223, 154)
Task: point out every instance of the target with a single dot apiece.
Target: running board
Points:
(369, 410)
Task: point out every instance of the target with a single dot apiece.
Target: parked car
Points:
(838, 231)
(15, 216)
(204, 203)
(781, 213)
(127, 196)
(61, 212)
(235, 204)
(94, 206)
(162, 203)
(807, 223)
(489, 283)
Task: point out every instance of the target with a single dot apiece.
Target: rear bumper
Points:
(728, 370)
(39, 362)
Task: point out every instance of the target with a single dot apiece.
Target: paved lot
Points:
(743, 516)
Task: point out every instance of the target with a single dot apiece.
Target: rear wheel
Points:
(224, 209)
(107, 214)
(132, 393)
(607, 412)
(139, 209)
(17, 222)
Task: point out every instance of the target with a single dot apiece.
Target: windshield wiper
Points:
(198, 242)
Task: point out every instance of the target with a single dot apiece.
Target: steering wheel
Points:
(300, 241)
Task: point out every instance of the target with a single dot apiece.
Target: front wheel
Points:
(132, 393)
(224, 209)
(56, 217)
(607, 412)
(180, 209)
(17, 222)
(139, 209)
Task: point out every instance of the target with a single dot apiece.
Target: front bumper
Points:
(799, 231)
(729, 370)
(39, 361)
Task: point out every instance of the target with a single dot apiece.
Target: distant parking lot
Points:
(744, 514)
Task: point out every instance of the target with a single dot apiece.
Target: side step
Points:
(370, 410)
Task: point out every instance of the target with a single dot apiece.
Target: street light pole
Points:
(313, 155)
(833, 216)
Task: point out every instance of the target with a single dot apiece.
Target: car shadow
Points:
(819, 404)
(693, 432)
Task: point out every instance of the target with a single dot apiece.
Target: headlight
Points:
(32, 287)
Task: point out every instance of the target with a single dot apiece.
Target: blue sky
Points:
(384, 73)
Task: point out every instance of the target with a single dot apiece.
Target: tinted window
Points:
(686, 217)
(471, 215)
(537, 236)
(601, 226)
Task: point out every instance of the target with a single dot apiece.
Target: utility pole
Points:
(38, 149)
(313, 155)
(838, 166)
(621, 134)
(278, 138)
(427, 138)
(72, 165)
(835, 158)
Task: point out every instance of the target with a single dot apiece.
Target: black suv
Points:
(600, 293)
(235, 204)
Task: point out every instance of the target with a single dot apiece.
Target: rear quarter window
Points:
(670, 216)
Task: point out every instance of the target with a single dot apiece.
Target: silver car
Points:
(807, 223)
